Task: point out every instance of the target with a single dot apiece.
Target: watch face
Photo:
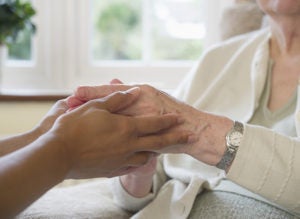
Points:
(235, 138)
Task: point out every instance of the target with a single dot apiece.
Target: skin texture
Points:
(208, 144)
(155, 102)
(89, 141)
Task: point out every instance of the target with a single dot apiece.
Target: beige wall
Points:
(18, 117)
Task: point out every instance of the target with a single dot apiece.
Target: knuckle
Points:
(152, 90)
(61, 102)
(94, 103)
(147, 88)
(119, 94)
(82, 92)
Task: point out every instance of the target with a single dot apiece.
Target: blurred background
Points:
(90, 42)
(93, 41)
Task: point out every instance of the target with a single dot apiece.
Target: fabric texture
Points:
(90, 199)
(280, 120)
(227, 205)
(265, 165)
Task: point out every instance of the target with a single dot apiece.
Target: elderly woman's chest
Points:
(284, 77)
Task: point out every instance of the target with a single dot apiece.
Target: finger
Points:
(123, 171)
(87, 93)
(153, 124)
(139, 159)
(133, 162)
(116, 81)
(59, 108)
(74, 102)
(160, 141)
(118, 100)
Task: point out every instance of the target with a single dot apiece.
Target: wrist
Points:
(211, 131)
(233, 141)
(36, 133)
(137, 186)
(59, 147)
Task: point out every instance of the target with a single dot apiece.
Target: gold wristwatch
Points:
(233, 141)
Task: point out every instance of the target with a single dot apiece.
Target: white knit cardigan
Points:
(228, 80)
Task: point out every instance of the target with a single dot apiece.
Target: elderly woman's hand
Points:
(101, 143)
(150, 101)
(210, 130)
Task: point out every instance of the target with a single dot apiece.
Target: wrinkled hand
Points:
(150, 102)
(99, 143)
(207, 143)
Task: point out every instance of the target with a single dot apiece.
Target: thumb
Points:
(59, 108)
(120, 100)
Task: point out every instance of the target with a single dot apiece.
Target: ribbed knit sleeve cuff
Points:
(266, 164)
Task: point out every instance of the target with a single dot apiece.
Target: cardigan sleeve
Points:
(268, 164)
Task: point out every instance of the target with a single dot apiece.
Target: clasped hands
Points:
(150, 102)
(194, 132)
(114, 129)
(152, 107)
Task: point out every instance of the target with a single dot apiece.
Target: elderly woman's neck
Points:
(286, 36)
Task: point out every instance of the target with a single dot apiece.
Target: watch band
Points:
(226, 160)
(231, 150)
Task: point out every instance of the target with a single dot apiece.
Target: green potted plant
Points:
(15, 16)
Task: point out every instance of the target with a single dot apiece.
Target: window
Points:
(116, 30)
(147, 30)
(22, 49)
(91, 42)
